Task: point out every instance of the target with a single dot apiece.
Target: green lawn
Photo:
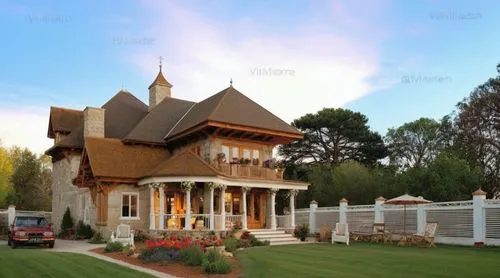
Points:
(369, 260)
(30, 262)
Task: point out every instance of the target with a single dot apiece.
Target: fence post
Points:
(379, 214)
(312, 216)
(11, 214)
(478, 198)
(420, 219)
(342, 211)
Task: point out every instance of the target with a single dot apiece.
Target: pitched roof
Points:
(184, 164)
(112, 158)
(231, 107)
(160, 80)
(123, 112)
(161, 119)
(63, 120)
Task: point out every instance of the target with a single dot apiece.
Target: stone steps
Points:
(275, 237)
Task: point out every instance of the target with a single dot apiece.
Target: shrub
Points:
(193, 255)
(159, 254)
(66, 224)
(113, 247)
(128, 250)
(215, 263)
(97, 238)
(231, 244)
(84, 231)
(301, 232)
(140, 236)
(249, 240)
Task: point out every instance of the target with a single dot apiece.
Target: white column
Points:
(379, 214)
(342, 211)
(152, 221)
(212, 215)
(273, 208)
(162, 207)
(292, 208)
(420, 219)
(244, 223)
(478, 198)
(222, 202)
(187, 224)
(312, 216)
(11, 214)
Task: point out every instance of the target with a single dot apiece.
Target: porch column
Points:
(244, 191)
(273, 191)
(212, 215)
(293, 193)
(162, 207)
(222, 201)
(152, 221)
(186, 187)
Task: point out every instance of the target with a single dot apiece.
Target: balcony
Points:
(249, 171)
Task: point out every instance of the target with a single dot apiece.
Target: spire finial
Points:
(231, 82)
(161, 59)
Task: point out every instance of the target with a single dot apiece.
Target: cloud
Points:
(25, 127)
(330, 65)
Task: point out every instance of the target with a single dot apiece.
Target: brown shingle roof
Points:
(63, 120)
(112, 158)
(160, 80)
(155, 125)
(232, 107)
(184, 164)
(123, 112)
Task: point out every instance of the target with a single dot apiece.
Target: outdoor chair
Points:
(427, 238)
(341, 233)
(363, 233)
(379, 232)
(123, 235)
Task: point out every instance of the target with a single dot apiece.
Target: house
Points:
(173, 164)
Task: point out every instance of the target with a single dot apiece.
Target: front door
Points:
(256, 209)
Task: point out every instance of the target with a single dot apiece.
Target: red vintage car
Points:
(31, 230)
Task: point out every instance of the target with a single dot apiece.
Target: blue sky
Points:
(394, 61)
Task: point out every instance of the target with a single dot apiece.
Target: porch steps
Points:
(275, 237)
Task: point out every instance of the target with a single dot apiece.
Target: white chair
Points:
(341, 233)
(124, 235)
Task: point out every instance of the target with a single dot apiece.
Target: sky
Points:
(394, 61)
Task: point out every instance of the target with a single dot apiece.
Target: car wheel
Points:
(13, 244)
(51, 245)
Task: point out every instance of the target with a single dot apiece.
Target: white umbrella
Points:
(407, 200)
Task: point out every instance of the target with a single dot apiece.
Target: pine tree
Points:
(67, 223)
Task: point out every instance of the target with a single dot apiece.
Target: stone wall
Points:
(114, 208)
(64, 193)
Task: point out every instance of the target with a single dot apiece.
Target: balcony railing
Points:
(249, 171)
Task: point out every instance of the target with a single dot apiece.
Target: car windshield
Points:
(31, 222)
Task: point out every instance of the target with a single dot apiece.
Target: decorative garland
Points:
(214, 185)
(187, 185)
(291, 192)
(245, 189)
(273, 190)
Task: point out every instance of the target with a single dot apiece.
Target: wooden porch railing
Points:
(249, 171)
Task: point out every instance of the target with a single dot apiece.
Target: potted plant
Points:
(255, 161)
(301, 232)
(235, 160)
(245, 161)
(268, 163)
(221, 157)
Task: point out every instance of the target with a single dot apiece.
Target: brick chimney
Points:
(93, 122)
(159, 90)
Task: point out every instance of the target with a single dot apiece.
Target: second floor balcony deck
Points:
(249, 171)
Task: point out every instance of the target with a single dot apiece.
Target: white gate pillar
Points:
(312, 216)
(478, 198)
(342, 211)
(11, 214)
(421, 219)
(379, 213)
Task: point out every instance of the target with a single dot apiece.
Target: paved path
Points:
(83, 247)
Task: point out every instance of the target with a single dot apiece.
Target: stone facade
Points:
(157, 93)
(64, 193)
(93, 120)
(115, 206)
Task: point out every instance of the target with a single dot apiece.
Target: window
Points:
(235, 153)
(130, 207)
(255, 154)
(246, 153)
(228, 203)
(225, 151)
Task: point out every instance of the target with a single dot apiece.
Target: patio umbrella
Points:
(406, 200)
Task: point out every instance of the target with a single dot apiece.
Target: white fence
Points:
(7, 216)
(475, 221)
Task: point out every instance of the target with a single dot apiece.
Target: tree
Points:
(334, 136)
(415, 144)
(5, 173)
(478, 123)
